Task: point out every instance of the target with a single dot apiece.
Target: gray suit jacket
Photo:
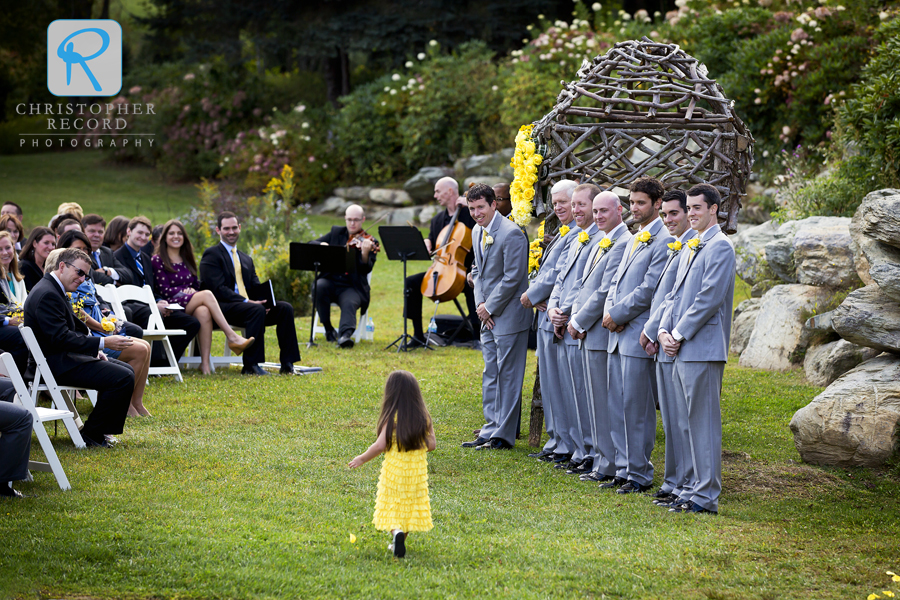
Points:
(501, 275)
(666, 282)
(587, 311)
(551, 262)
(699, 305)
(569, 279)
(629, 298)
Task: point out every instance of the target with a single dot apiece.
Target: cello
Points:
(446, 277)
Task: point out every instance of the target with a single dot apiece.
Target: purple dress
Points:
(178, 287)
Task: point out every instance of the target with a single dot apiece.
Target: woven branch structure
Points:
(646, 108)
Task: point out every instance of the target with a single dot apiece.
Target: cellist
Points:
(446, 192)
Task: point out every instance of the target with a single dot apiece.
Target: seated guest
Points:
(68, 225)
(350, 291)
(116, 233)
(137, 355)
(15, 441)
(74, 357)
(228, 273)
(504, 200)
(176, 278)
(153, 244)
(141, 270)
(11, 208)
(105, 268)
(12, 224)
(34, 252)
(66, 210)
(10, 337)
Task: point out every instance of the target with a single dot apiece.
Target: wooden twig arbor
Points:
(646, 108)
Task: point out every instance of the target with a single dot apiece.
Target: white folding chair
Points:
(362, 331)
(62, 397)
(155, 330)
(41, 415)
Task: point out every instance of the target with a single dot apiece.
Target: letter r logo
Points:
(84, 57)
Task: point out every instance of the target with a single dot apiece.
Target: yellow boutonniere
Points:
(644, 237)
(694, 244)
(605, 244)
(563, 230)
(583, 237)
(488, 240)
(675, 246)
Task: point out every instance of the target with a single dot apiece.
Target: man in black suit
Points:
(15, 440)
(349, 290)
(105, 269)
(73, 355)
(137, 263)
(229, 273)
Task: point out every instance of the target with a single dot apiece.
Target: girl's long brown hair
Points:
(14, 263)
(114, 235)
(186, 251)
(403, 412)
(37, 234)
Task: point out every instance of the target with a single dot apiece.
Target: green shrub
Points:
(10, 138)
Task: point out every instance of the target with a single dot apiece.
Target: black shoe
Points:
(399, 545)
(415, 342)
(633, 487)
(585, 467)
(692, 507)
(479, 441)
(540, 454)
(286, 369)
(666, 499)
(346, 341)
(661, 494)
(550, 457)
(566, 465)
(495, 444)
(612, 483)
(6, 491)
(92, 443)
(331, 335)
(675, 501)
(253, 370)
(593, 476)
(561, 458)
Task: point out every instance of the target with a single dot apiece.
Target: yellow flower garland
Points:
(524, 163)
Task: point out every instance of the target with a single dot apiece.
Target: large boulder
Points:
(421, 185)
(427, 213)
(742, 326)
(402, 216)
(878, 216)
(826, 362)
(887, 276)
(334, 204)
(484, 164)
(486, 179)
(750, 252)
(779, 338)
(868, 251)
(813, 251)
(854, 422)
(356, 193)
(869, 317)
(390, 197)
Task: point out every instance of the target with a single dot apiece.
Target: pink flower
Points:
(135, 90)
(798, 34)
(312, 159)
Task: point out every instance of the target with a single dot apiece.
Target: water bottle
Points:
(370, 327)
(432, 326)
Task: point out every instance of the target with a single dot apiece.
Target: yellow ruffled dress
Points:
(402, 501)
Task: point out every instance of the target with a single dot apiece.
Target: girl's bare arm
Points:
(374, 450)
(430, 441)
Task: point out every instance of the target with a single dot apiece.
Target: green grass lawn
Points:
(238, 488)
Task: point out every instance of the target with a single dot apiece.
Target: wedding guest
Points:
(10, 337)
(105, 269)
(137, 354)
(13, 285)
(68, 225)
(34, 252)
(66, 210)
(15, 441)
(116, 232)
(176, 279)
(12, 224)
(11, 208)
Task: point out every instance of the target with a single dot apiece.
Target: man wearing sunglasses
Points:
(74, 356)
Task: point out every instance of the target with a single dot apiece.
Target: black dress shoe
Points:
(561, 458)
(495, 444)
(566, 465)
(692, 507)
(286, 369)
(593, 476)
(346, 341)
(479, 441)
(540, 454)
(613, 483)
(665, 499)
(331, 335)
(672, 503)
(415, 343)
(549, 457)
(585, 467)
(6, 491)
(633, 487)
(92, 443)
(254, 370)
(660, 494)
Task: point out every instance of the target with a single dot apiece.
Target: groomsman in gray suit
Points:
(500, 273)
(632, 381)
(585, 325)
(696, 330)
(676, 482)
(559, 444)
(559, 309)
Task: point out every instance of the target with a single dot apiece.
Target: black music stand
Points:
(320, 259)
(402, 242)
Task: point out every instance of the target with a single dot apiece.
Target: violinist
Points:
(350, 291)
(446, 192)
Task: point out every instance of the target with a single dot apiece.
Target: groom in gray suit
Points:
(632, 381)
(695, 329)
(559, 443)
(500, 273)
(559, 309)
(679, 472)
(585, 326)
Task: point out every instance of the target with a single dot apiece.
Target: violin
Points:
(356, 239)
(446, 277)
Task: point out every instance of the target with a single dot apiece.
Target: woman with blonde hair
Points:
(175, 270)
(13, 284)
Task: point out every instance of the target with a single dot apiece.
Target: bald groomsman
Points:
(559, 310)
(696, 330)
(500, 273)
(586, 326)
(632, 380)
(559, 444)
(676, 482)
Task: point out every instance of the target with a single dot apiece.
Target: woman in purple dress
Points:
(176, 280)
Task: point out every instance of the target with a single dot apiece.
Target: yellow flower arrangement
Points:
(583, 237)
(524, 163)
(535, 250)
(77, 307)
(108, 324)
(563, 230)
